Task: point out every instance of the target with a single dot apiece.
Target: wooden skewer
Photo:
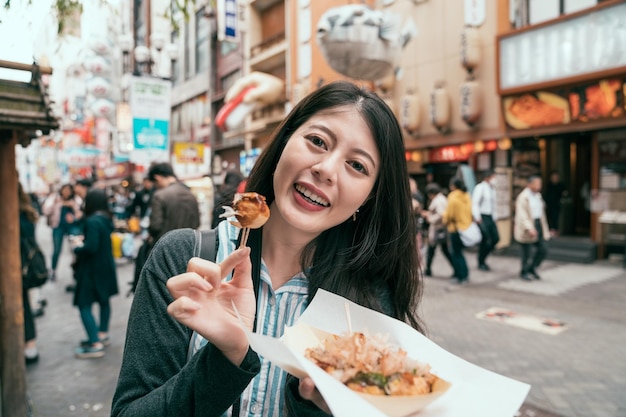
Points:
(245, 232)
(348, 318)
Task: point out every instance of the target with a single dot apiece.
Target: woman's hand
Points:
(308, 391)
(204, 302)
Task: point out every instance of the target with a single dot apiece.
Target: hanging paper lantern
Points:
(103, 108)
(471, 102)
(99, 87)
(100, 46)
(470, 48)
(410, 112)
(98, 65)
(440, 108)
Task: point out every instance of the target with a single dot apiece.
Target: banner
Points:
(150, 100)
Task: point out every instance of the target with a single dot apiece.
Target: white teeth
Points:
(314, 197)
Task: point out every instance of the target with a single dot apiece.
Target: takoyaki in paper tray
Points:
(462, 389)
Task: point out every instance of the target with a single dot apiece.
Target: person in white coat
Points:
(437, 233)
(531, 227)
(484, 214)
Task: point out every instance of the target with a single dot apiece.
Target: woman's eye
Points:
(317, 141)
(358, 166)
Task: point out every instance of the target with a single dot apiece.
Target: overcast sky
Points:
(18, 28)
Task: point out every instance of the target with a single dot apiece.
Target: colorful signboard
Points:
(604, 99)
(150, 100)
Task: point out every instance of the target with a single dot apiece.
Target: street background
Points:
(579, 372)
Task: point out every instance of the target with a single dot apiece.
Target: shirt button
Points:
(272, 300)
(256, 408)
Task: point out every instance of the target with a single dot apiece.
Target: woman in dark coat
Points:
(28, 220)
(96, 276)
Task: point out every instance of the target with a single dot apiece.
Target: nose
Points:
(326, 170)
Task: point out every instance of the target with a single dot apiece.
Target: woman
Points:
(458, 217)
(341, 219)
(62, 210)
(96, 276)
(28, 221)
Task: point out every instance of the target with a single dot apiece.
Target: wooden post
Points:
(12, 362)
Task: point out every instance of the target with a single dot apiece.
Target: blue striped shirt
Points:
(276, 309)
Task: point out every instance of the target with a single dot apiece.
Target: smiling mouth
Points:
(310, 196)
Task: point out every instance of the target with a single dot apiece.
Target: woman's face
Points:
(66, 192)
(326, 171)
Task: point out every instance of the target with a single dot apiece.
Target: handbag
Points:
(471, 236)
(441, 235)
(34, 269)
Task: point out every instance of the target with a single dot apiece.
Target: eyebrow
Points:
(334, 137)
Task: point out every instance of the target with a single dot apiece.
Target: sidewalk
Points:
(60, 385)
(580, 372)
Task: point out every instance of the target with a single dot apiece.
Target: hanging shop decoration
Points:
(470, 48)
(99, 87)
(440, 108)
(471, 102)
(410, 112)
(98, 65)
(363, 43)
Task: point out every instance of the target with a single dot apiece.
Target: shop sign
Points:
(227, 20)
(189, 153)
(576, 47)
(150, 108)
(451, 153)
(474, 12)
(114, 171)
(80, 157)
(599, 100)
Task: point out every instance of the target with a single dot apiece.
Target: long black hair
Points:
(97, 201)
(376, 254)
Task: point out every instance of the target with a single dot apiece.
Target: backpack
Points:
(34, 269)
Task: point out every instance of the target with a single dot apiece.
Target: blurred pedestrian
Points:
(173, 204)
(437, 233)
(458, 217)
(119, 202)
(531, 227)
(28, 221)
(62, 210)
(224, 196)
(141, 200)
(554, 192)
(81, 187)
(96, 276)
(417, 202)
(484, 213)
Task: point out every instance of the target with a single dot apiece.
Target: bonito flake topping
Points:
(369, 364)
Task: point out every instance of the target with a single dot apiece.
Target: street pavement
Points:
(576, 367)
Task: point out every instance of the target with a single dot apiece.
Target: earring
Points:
(354, 215)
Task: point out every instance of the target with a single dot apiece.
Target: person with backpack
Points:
(96, 275)
(335, 179)
(28, 221)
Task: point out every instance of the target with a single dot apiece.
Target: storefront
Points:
(563, 105)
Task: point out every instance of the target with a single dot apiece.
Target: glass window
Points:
(203, 30)
(227, 47)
